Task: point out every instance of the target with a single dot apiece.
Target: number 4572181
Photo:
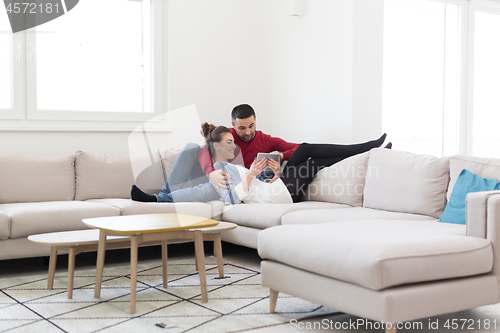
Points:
(32, 8)
(470, 324)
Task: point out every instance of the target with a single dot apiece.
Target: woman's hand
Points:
(257, 167)
(220, 179)
(275, 166)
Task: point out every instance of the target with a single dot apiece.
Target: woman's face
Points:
(225, 148)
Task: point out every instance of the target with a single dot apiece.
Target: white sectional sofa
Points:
(389, 259)
(40, 194)
(365, 241)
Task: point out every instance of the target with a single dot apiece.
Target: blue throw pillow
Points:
(467, 182)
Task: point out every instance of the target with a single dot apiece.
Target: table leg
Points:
(52, 267)
(101, 251)
(164, 257)
(71, 271)
(134, 252)
(200, 258)
(218, 254)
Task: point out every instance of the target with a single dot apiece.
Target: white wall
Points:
(297, 72)
(53, 143)
(309, 93)
(217, 56)
(367, 70)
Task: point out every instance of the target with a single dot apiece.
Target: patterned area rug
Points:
(237, 302)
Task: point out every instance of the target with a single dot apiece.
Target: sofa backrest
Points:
(100, 176)
(340, 183)
(33, 178)
(404, 182)
(484, 167)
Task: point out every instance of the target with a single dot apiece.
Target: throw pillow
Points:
(467, 182)
(403, 182)
(484, 167)
(341, 182)
(168, 157)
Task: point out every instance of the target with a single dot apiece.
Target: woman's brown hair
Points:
(213, 134)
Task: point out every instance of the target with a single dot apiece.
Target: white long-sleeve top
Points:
(257, 192)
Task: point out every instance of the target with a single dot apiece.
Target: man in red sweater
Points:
(309, 158)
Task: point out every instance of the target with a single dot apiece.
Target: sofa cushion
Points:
(266, 215)
(379, 254)
(484, 167)
(100, 176)
(41, 217)
(351, 214)
(32, 178)
(129, 207)
(4, 225)
(341, 183)
(408, 183)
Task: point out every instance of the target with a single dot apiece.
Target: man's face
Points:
(245, 128)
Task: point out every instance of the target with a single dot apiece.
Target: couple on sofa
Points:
(214, 172)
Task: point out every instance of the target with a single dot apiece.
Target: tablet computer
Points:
(271, 156)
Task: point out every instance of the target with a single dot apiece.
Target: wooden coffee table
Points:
(151, 228)
(75, 242)
(78, 241)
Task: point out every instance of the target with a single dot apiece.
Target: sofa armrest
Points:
(492, 213)
(476, 213)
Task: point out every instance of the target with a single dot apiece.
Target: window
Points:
(421, 87)
(6, 90)
(486, 82)
(441, 75)
(99, 61)
(11, 71)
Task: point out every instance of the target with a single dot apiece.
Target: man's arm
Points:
(286, 148)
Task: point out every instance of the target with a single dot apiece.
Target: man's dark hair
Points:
(242, 111)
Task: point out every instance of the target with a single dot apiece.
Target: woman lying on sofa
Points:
(245, 187)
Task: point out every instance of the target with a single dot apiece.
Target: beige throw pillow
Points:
(168, 157)
(33, 178)
(341, 183)
(403, 182)
(100, 176)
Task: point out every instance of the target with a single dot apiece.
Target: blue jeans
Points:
(265, 175)
(187, 169)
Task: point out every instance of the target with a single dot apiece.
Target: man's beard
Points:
(248, 137)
